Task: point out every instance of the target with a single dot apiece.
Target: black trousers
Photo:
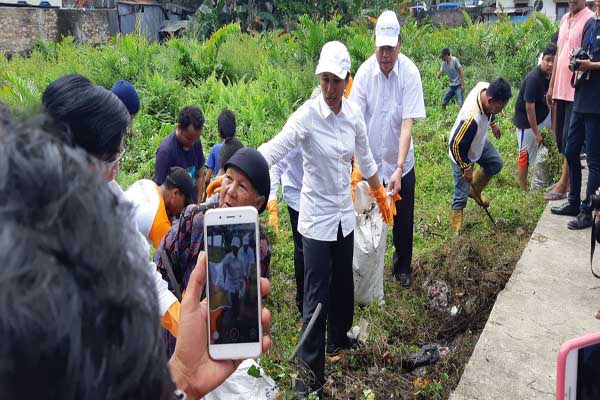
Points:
(404, 222)
(327, 280)
(298, 258)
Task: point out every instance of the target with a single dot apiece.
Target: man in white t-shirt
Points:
(388, 89)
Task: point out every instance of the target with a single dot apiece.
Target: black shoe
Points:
(565, 209)
(404, 279)
(584, 220)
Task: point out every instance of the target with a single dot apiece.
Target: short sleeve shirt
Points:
(213, 157)
(533, 90)
(569, 37)
(452, 69)
(171, 154)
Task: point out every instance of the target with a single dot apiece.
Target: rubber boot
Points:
(480, 181)
(456, 220)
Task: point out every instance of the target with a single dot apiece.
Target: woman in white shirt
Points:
(329, 130)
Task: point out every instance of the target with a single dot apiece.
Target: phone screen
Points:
(588, 373)
(232, 276)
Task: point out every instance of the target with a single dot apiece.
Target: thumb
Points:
(197, 279)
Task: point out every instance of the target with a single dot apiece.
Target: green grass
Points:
(263, 78)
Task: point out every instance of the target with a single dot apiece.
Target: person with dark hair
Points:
(92, 118)
(156, 206)
(561, 94)
(388, 89)
(69, 322)
(532, 113)
(125, 91)
(245, 183)
(226, 128)
(183, 148)
(330, 131)
(469, 144)
(451, 67)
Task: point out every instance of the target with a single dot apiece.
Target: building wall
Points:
(30, 24)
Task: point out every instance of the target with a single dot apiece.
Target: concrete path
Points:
(550, 298)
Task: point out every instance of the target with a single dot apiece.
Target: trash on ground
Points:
(248, 382)
(438, 295)
(428, 355)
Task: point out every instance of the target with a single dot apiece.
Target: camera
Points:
(577, 55)
(594, 202)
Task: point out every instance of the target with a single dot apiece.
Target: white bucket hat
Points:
(235, 242)
(387, 29)
(334, 59)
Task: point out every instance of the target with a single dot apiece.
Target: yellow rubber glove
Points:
(273, 208)
(393, 201)
(384, 209)
(355, 178)
(214, 186)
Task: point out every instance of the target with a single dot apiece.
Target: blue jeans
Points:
(450, 93)
(490, 161)
(583, 128)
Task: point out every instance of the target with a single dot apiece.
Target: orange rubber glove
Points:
(170, 321)
(393, 201)
(214, 186)
(384, 209)
(355, 178)
(273, 208)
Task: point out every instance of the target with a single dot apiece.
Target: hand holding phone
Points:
(192, 370)
(578, 369)
(231, 237)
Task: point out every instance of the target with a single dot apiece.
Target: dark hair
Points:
(229, 147)
(68, 321)
(499, 90)
(226, 124)
(445, 52)
(550, 50)
(191, 115)
(86, 115)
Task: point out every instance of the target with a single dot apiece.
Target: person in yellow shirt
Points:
(156, 206)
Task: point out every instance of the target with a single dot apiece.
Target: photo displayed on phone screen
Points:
(588, 373)
(233, 290)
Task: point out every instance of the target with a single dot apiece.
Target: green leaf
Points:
(254, 371)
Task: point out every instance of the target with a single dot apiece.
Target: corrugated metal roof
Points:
(139, 2)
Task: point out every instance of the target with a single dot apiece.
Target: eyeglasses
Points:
(115, 159)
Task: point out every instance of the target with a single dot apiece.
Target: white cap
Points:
(387, 29)
(334, 59)
(246, 239)
(235, 242)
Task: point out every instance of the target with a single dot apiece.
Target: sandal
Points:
(552, 195)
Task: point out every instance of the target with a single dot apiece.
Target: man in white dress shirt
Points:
(388, 89)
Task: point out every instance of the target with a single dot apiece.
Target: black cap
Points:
(180, 179)
(252, 164)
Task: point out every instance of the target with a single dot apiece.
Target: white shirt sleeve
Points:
(358, 93)
(412, 101)
(293, 132)
(362, 150)
(275, 173)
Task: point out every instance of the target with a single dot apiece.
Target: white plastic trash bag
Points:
(370, 235)
(539, 179)
(245, 385)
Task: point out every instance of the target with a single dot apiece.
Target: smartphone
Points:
(578, 369)
(232, 245)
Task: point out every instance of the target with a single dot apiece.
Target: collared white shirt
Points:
(290, 172)
(328, 142)
(385, 102)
